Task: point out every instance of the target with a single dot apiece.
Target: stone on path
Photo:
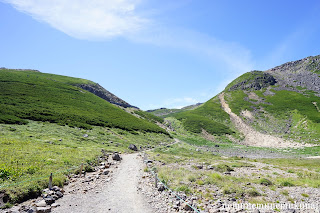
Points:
(116, 157)
(133, 147)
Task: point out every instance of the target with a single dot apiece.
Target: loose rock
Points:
(105, 172)
(44, 209)
(133, 147)
(42, 203)
(116, 157)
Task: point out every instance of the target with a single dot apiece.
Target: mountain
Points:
(32, 95)
(280, 105)
(163, 112)
(104, 94)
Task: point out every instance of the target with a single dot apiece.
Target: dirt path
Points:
(253, 137)
(120, 195)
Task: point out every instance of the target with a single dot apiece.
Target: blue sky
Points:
(157, 53)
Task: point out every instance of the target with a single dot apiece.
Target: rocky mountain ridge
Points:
(258, 81)
(303, 73)
(105, 94)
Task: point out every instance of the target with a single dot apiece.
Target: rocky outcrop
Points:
(105, 94)
(257, 81)
(298, 75)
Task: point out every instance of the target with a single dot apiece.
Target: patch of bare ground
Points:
(253, 137)
(253, 96)
(208, 136)
(314, 157)
(119, 194)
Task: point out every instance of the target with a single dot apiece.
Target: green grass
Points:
(164, 112)
(285, 192)
(183, 188)
(212, 109)
(209, 117)
(45, 97)
(285, 101)
(286, 183)
(265, 182)
(237, 103)
(195, 123)
(253, 193)
(31, 152)
(310, 164)
(149, 116)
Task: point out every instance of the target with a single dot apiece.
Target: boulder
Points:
(56, 188)
(133, 147)
(49, 200)
(161, 188)
(147, 161)
(42, 203)
(186, 207)
(44, 209)
(105, 172)
(116, 157)
(32, 209)
(59, 194)
(199, 166)
(4, 198)
(55, 205)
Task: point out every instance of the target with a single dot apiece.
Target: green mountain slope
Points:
(58, 99)
(164, 112)
(209, 117)
(282, 101)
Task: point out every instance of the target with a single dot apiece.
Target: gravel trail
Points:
(120, 195)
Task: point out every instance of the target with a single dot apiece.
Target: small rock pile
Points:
(49, 198)
(43, 204)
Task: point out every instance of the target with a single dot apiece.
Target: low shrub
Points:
(265, 182)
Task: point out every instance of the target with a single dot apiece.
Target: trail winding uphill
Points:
(118, 196)
(253, 137)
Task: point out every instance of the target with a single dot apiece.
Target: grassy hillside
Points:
(149, 116)
(286, 111)
(164, 112)
(28, 95)
(209, 117)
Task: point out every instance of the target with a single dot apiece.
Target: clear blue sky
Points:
(157, 53)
